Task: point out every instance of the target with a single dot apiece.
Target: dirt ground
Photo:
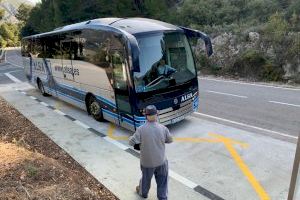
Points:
(33, 167)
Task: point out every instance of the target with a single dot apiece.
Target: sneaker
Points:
(137, 189)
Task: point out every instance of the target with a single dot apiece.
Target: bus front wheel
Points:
(95, 109)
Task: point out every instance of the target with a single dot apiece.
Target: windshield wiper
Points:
(155, 81)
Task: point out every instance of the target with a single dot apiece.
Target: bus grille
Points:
(169, 115)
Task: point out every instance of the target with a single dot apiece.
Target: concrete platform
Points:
(208, 160)
(115, 168)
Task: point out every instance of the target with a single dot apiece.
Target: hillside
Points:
(10, 7)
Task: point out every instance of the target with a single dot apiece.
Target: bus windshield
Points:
(165, 60)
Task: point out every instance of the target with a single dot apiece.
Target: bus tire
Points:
(94, 109)
(41, 88)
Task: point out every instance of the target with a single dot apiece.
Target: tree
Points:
(9, 34)
(2, 12)
(49, 14)
(23, 12)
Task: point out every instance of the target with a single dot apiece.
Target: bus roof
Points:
(142, 25)
(130, 25)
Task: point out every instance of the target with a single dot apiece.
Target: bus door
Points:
(120, 85)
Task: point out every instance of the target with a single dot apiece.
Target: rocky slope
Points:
(10, 7)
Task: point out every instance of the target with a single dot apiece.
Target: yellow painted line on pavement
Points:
(241, 164)
(57, 105)
(229, 145)
(110, 133)
(111, 129)
(196, 140)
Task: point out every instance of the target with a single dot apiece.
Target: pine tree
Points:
(2, 12)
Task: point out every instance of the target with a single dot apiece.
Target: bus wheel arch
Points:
(93, 107)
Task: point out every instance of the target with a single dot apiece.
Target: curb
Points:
(2, 55)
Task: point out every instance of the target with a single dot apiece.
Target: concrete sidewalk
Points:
(108, 161)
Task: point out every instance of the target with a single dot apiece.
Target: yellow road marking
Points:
(111, 129)
(57, 105)
(187, 139)
(229, 145)
(244, 168)
(221, 139)
(110, 133)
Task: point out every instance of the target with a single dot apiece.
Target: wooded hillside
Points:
(257, 39)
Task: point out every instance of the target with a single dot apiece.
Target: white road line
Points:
(82, 124)
(59, 112)
(11, 77)
(246, 125)
(288, 104)
(44, 104)
(34, 98)
(5, 60)
(15, 71)
(4, 69)
(14, 64)
(118, 144)
(182, 180)
(23, 92)
(253, 84)
(227, 94)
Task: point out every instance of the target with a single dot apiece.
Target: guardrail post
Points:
(295, 173)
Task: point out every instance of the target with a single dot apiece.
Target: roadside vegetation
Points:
(256, 39)
(34, 167)
(9, 31)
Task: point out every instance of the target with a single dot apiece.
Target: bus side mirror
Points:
(133, 46)
(191, 33)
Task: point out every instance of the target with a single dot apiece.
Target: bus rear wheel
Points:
(95, 109)
(41, 88)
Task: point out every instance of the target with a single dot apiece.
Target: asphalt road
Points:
(253, 107)
(273, 108)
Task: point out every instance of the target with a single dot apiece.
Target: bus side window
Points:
(66, 50)
(52, 47)
(25, 48)
(37, 48)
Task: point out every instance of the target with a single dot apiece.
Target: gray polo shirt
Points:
(152, 137)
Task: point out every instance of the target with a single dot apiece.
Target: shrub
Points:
(272, 72)
(249, 64)
(205, 65)
(255, 65)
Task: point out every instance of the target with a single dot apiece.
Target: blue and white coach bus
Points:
(114, 67)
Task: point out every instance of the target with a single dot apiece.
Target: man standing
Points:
(152, 137)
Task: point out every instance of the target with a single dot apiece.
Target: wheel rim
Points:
(95, 108)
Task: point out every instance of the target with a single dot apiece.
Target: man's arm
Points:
(170, 69)
(169, 138)
(136, 138)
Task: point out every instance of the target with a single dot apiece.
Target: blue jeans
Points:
(161, 177)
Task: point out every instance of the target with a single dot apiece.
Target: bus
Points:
(114, 67)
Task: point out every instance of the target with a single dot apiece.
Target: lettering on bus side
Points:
(186, 97)
(38, 66)
(67, 70)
